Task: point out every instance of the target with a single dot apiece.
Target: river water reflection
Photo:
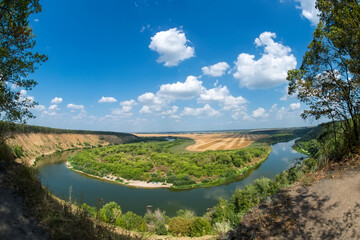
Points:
(58, 179)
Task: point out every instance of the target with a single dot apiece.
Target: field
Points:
(215, 141)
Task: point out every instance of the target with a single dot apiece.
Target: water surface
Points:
(58, 179)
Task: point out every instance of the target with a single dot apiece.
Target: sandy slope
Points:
(36, 144)
(328, 209)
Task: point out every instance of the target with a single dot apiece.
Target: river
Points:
(58, 179)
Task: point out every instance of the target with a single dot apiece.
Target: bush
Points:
(131, 221)
(110, 212)
(199, 227)
(18, 151)
(180, 226)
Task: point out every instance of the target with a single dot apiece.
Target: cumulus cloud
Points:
(294, 106)
(181, 90)
(171, 113)
(75, 107)
(268, 71)
(57, 100)
(206, 111)
(169, 93)
(53, 107)
(259, 113)
(222, 96)
(309, 11)
(285, 113)
(172, 47)
(107, 100)
(128, 105)
(216, 70)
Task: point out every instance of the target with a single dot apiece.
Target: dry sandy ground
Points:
(214, 141)
(328, 209)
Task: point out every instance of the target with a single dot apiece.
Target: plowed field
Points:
(215, 141)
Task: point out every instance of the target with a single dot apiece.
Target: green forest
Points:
(156, 162)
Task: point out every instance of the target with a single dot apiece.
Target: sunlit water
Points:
(58, 178)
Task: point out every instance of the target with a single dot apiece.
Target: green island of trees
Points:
(155, 162)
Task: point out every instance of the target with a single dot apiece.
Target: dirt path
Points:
(15, 220)
(328, 209)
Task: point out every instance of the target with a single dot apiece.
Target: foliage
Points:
(18, 60)
(131, 221)
(329, 77)
(110, 212)
(154, 162)
(220, 228)
(18, 151)
(60, 220)
(180, 226)
(156, 221)
(199, 227)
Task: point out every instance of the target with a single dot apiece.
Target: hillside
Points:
(323, 205)
(36, 141)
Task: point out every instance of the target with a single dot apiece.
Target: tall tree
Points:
(17, 59)
(329, 77)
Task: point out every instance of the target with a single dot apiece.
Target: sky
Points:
(169, 65)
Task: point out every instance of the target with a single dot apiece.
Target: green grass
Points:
(182, 147)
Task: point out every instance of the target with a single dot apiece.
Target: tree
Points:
(329, 77)
(17, 59)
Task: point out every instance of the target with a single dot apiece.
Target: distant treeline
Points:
(8, 127)
(283, 135)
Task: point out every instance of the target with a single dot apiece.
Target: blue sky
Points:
(169, 65)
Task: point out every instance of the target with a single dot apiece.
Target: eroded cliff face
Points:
(37, 144)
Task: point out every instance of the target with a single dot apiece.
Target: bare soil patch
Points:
(328, 209)
(214, 141)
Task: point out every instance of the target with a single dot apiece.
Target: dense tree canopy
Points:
(329, 77)
(17, 58)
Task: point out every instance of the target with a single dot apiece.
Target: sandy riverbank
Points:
(130, 183)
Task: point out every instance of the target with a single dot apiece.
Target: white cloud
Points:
(172, 47)
(23, 97)
(75, 107)
(285, 113)
(40, 108)
(56, 100)
(107, 100)
(170, 92)
(170, 111)
(216, 70)
(268, 71)
(294, 106)
(206, 111)
(53, 108)
(149, 99)
(309, 11)
(189, 89)
(128, 105)
(259, 113)
(222, 96)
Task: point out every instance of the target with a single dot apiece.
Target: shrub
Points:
(110, 212)
(18, 151)
(131, 221)
(199, 227)
(221, 228)
(180, 226)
